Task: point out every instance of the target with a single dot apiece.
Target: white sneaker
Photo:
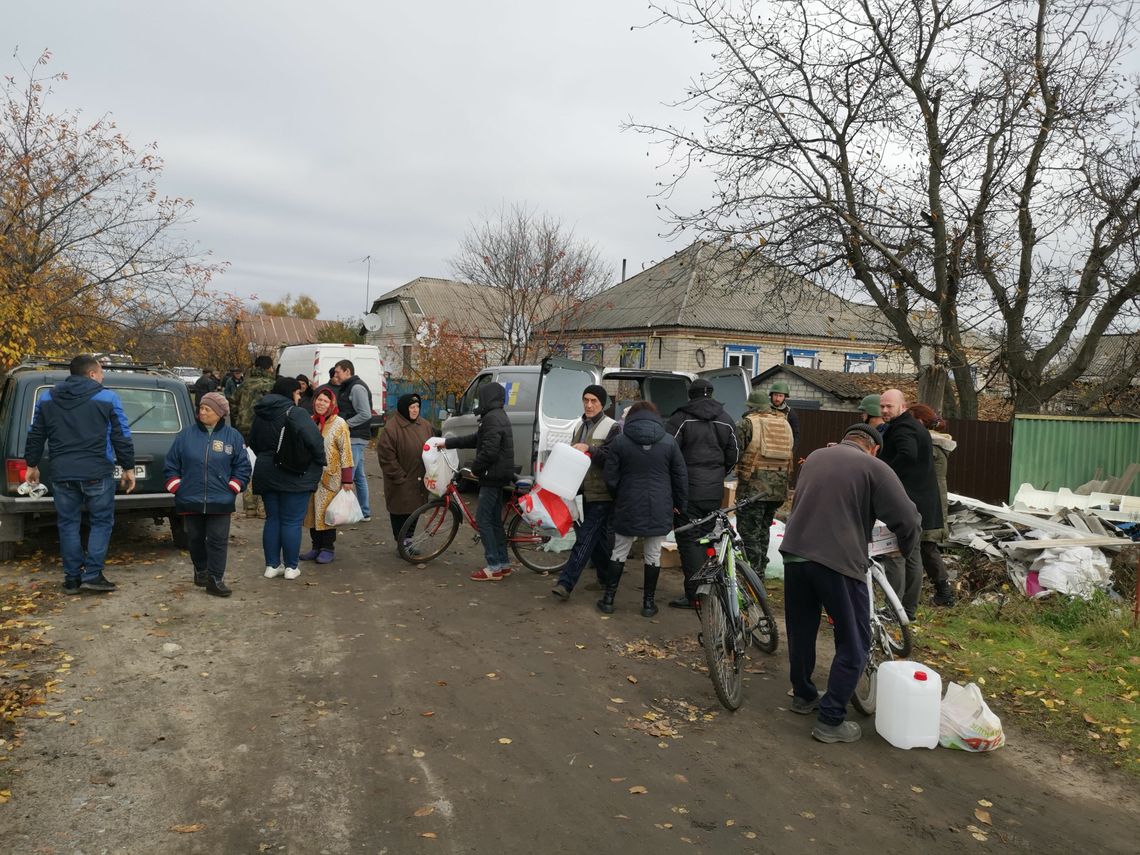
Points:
(272, 572)
(292, 572)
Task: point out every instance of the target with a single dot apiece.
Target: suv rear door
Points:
(731, 386)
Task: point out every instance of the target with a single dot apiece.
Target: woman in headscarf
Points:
(400, 450)
(306, 400)
(337, 475)
(284, 480)
(941, 446)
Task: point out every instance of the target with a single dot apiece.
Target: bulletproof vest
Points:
(771, 445)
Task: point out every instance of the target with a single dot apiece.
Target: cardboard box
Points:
(882, 541)
(729, 498)
(670, 556)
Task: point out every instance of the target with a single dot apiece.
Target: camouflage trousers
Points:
(754, 521)
(254, 507)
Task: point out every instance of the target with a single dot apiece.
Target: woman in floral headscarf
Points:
(400, 450)
(337, 475)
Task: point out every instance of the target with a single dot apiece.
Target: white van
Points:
(544, 402)
(316, 361)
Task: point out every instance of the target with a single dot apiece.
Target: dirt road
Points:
(374, 707)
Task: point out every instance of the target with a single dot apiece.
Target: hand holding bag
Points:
(344, 509)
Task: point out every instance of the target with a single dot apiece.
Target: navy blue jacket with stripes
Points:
(205, 470)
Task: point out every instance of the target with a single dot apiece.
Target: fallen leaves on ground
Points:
(425, 810)
(188, 829)
(638, 790)
(983, 816)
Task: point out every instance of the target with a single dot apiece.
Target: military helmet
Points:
(870, 406)
(758, 400)
(779, 387)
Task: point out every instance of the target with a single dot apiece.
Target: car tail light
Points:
(15, 472)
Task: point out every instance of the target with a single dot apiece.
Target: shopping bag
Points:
(440, 465)
(544, 509)
(344, 509)
(968, 723)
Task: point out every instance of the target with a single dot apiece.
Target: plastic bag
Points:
(344, 509)
(546, 510)
(439, 466)
(967, 722)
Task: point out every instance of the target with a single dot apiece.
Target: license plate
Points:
(140, 473)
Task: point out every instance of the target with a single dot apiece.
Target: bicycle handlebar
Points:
(719, 512)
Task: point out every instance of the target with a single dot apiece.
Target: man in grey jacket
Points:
(354, 401)
(840, 492)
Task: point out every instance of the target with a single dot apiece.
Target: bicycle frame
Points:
(725, 553)
(875, 571)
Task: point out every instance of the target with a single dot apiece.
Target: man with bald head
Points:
(907, 449)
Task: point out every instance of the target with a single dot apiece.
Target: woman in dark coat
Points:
(285, 494)
(645, 471)
(305, 402)
(400, 449)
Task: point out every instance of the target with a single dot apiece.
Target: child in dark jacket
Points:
(494, 464)
(206, 468)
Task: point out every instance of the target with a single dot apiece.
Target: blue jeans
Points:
(70, 497)
(590, 535)
(281, 535)
(359, 446)
(489, 518)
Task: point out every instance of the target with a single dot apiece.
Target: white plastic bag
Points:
(546, 510)
(344, 509)
(967, 722)
(439, 465)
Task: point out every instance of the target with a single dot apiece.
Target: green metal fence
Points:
(1051, 452)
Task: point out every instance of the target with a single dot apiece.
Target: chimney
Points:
(623, 270)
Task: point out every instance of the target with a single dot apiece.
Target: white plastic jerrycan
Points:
(908, 701)
(564, 471)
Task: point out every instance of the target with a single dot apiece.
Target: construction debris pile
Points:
(1051, 542)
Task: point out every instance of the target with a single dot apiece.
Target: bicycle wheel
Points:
(889, 627)
(720, 651)
(863, 699)
(543, 550)
(759, 621)
(428, 531)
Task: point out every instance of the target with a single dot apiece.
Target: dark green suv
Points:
(157, 405)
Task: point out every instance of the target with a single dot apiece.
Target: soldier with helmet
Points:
(872, 415)
(768, 434)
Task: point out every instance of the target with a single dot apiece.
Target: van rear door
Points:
(560, 386)
(731, 386)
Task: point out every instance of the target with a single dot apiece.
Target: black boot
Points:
(217, 587)
(200, 579)
(648, 607)
(943, 596)
(613, 577)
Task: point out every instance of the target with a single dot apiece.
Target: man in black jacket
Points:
(494, 464)
(907, 449)
(707, 439)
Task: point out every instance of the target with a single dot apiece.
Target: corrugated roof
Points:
(474, 309)
(274, 331)
(1112, 353)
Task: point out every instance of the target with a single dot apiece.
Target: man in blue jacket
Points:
(86, 431)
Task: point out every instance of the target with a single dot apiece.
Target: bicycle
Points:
(734, 610)
(890, 635)
(431, 528)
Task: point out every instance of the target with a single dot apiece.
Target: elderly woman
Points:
(285, 486)
(941, 446)
(305, 402)
(206, 468)
(400, 450)
(337, 475)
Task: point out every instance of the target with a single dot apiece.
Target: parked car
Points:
(315, 361)
(187, 373)
(544, 402)
(157, 405)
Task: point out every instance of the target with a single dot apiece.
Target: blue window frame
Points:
(632, 355)
(859, 363)
(746, 356)
(801, 357)
(594, 354)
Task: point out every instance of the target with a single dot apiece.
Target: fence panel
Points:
(1051, 452)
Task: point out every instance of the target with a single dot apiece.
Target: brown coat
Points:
(400, 451)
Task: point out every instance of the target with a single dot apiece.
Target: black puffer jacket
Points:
(493, 443)
(646, 473)
(269, 416)
(707, 439)
(908, 450)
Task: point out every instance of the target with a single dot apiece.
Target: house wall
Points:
(395, 332)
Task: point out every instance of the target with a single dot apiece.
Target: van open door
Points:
(731, 386)
(559, 408)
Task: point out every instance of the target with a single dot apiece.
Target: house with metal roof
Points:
(268, 333)
(702, 308)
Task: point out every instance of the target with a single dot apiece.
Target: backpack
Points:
(771, 446)
(292, 454)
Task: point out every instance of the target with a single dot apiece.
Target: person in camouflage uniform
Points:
(767, 481)
(259, 381)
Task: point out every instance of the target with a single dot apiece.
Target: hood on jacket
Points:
(491, 396)
(705, 409)
(943, 440)
(272, 406)
(76, 389)
(644, 427)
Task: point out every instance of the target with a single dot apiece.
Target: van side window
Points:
(520, 390)
(471, 396)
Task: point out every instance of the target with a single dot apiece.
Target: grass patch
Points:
(1066, 669)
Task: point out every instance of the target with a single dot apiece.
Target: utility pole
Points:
(367, 284)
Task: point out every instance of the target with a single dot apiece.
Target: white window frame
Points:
(801, 357)
(852, 359)
(742, 354)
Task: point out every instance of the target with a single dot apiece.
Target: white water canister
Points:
(564, 471)
(908, 704)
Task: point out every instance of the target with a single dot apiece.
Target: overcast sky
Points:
(312, 134)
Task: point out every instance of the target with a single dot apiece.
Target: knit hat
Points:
(404, 405)
(700, 389)
(217, 403)
(597, 391)
(867, 431)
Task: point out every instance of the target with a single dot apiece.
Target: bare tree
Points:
(529, 267)
(83, 228)
(974, 162)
